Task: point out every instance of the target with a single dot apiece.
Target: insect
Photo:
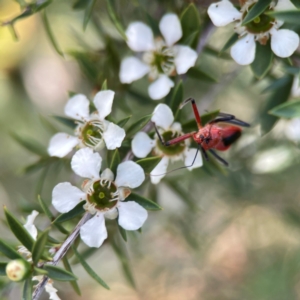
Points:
(211, 136)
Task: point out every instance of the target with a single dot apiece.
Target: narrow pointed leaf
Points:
(232, 40)
(9, 251)
(74, 283)
(59, 274)
(39, 271)
(89, 270)
(263, 60)
(18, 230)
(39, 246)
(259, 7)
(122, 232)
(104, 85)
(287, 110)
(123, 122)
(76, 211)
(196, 72)
(115, 20)
(31, 145)
(50, 34)
(3, 268)
(113, 158)
(138, 125)
(296, 3)
(66, 121)
(149, 163)
(176, 97)
(88, 12)
(146, 203)
(292, 16)
(27, 289)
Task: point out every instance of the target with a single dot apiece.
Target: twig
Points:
(60, 254)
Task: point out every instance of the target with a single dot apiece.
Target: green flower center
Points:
(173, 149)
(261, 23)
(163, 60)
(105, 195)
(91, 133)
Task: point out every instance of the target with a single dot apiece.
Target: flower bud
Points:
(17, 270)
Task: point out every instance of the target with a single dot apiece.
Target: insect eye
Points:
(201, 136)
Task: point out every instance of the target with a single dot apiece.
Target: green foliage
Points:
(296, 3)
(73, 283)
(113, 160)
(59, 274)
(76, 211)
(8, 251)
(3, 268)
(138, 125)
(232, 40)
(287, 110)
(39, 246)
(27, 289)
(259, 7)
(146, 203)
(291, 17)
(148, 164)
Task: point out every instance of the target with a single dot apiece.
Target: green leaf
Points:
(89, 270)
(123, 122)
(39, 246)
(296, 3)
(74, 283)
(196, 72)
(88, 12)
(9, 251)
(115, 20)
(176, 97)
(146, 203)
(104, 85)
(76, 211)
(232, 40)
(190, 21)
(31, 145)
(122, 232)
(18, 230)
(39, 271)
(59, 274)
(113, 158)
(257, 9)
(149, 163)
(292, 16)
(287, 110)
(3, 268)
(277, 84)
(138, 125)
(80, 4)
(205, 118)
(191, 40)
(27, 289)
(263, 60)
(279, 96)
(50, 34)
(66, 121)
(125, 264)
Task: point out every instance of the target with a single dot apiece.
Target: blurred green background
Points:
(223, 233)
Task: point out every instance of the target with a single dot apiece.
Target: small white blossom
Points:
(49, 288)
(103, 194)
(142, 144)
(284, 42)
(93, 130)
(160, 58)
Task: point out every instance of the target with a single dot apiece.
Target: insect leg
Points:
(204, 153)
(232, 120)
(173, 141)
(223, 161)
(195, 109)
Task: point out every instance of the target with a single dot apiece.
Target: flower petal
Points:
(159, 171)
(103, 101)
(107, 174)
(170, 28)
(284, 5)
(66, 196)
(222, 13)
(160, 87)
(139, 37)
(243, 51)
(132, 69)
(111, 214)
(86, 163)
(162, 116)
(185, 58)
(78, 107)
(29, 225)
(141, 144)
(52, 291)
(131, 215)
(61, 144)
(113, 136)
(93, 232)
(190, 157)
(129, 174)
(284, 42)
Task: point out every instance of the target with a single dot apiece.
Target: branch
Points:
(60, 254)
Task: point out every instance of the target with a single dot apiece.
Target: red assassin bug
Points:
(211, 136)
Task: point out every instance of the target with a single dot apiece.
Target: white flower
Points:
(160, 58)
(142, 144)
(103, 194)
(49, 288)
(92, 130)
(284, 42)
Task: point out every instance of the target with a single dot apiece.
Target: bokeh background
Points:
(224, 233)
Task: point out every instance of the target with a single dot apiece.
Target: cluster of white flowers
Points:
(284, 42)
